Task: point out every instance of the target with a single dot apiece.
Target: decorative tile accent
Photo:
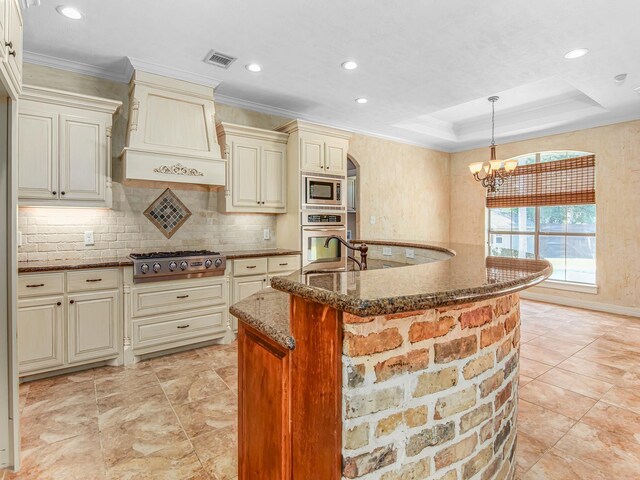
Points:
(167, 213)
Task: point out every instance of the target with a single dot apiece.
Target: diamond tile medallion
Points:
(167, 213)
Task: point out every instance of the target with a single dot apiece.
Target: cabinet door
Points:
(93, 325)
(82, 158)
(244, 287)
(37, 153)
(40, 334)
(336, 156)
(14, 47)
(311, 152)
(273, 172)
(245, 188)
(263, 404)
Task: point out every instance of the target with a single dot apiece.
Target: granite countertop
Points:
(53, 265)
(449, 274)
(267, 311)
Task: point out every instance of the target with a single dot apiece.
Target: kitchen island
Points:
(408, 370)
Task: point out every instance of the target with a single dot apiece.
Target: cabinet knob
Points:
(327, 168)
(59, 303)
(54, 193)
(72, 302)
(62, 193)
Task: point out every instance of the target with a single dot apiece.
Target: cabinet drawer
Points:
(199, 325)
(87, 280)
(250, 266)
(170, 297)
(40, 284)
(284, 263)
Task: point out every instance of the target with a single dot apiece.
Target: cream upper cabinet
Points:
(64, 149)
(312, 152)
(93, 325)
(11, 50)
(38, 153)
(256, 170)
(319, 149)
(40, 333)
(83, 157)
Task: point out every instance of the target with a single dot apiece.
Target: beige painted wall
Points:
(405, 187)
(617, 149)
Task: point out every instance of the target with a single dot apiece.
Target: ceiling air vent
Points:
(218, 59)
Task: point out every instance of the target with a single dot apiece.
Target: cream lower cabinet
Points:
(41, 334)
(256, 170)
(67, 319)
(255, 274)
(64, 149)
(92, 332)
(169, 314)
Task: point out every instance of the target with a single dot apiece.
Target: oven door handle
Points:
(313, 229)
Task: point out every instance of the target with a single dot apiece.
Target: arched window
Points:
(563, 234)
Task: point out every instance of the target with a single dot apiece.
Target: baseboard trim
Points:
(572, 302)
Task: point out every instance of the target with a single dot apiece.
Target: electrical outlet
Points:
(386, 251)
(88, 238)
(19, 238)
(372, 220)
(266, 234)
(409, 253)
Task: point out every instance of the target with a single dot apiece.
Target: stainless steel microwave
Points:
(322, 191)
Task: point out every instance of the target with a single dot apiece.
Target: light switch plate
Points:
(409, 253)
(266, 234)
(386, 251)
(372, 220)
(88, 238)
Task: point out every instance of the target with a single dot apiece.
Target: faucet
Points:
(363, 249)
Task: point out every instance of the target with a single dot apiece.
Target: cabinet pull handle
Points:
(91, 280)
(72, 302)
(36, 285)
(8, 44)
(251, 266)
(59, 303)
(182, 296)
(284, 264)
(12, 53)
(183, 326)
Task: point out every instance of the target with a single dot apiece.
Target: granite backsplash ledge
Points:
(58, 233)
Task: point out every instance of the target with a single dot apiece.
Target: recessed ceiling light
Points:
(620, 78)
(70, 12)
(349, 65)
(253, 67)
(361, 100)
(577, 53)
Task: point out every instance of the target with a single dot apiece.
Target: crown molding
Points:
(79, 67)
(163, 70)
(68, 99)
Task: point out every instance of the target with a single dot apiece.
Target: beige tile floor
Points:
(174, 417)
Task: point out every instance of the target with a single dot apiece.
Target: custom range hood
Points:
(171, 132)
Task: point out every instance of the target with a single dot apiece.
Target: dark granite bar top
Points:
(443, 275)
(267, 311)
(54, 265)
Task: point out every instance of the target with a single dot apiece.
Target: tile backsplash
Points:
(58, 233)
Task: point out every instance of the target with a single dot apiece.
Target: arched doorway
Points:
(353, 198)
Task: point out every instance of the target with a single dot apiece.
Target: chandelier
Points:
(496, 171)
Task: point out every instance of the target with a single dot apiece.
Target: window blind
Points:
(562, 182)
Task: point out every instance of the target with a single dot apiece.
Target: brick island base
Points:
(420, 395)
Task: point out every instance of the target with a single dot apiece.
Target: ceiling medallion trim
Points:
(178, 169)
